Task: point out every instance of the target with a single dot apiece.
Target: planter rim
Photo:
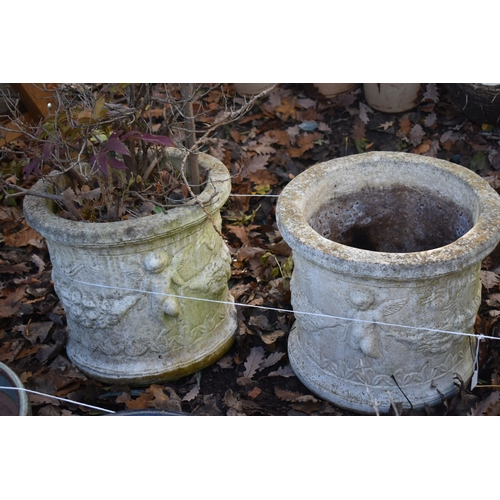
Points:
(86, 234)
(24, 403)
(467, 250)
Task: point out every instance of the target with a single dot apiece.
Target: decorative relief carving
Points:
(168, 323)
(370, 332)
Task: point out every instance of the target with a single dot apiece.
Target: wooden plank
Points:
(36, 97)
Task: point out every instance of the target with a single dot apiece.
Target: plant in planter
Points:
(126, 241)
(387, 250)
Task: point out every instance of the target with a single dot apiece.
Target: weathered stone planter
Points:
(117, 333)
(393, 97)
(386, 239)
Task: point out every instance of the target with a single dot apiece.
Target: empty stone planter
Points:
(118, 334)
(386, 239)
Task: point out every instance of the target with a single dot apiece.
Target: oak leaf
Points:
(489, 279)
(287, 108)
(258, 162)
(386, 125)
(253, 362)
(416, 135)
(192, 393)
(431, 93)
(286, 371)
(140, 403)
(161, 400)
(294, 397)
(272, 359)
(363, 112)
(430, 120)
(21, 238)
(282, 137)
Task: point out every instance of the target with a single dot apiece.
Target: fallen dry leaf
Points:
(190, 395)
(423, 148)
(20, 268)
(10, 305)
(489, 279)
(489, 407)
(286, 371)
(405, 125)
(254, 392)
(253, 362)
(416, 135)
(140, 403)
(256, 163)
(272, 359)
(22, 238)
(358, 129)
(286, 108)
(363, 112)
(294, 397)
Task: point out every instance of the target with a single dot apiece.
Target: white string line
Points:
(259, 195)
(56, 397)
(479, 336)
(321, 315)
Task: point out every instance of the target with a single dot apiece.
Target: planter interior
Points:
(386, 239)
(122, 285)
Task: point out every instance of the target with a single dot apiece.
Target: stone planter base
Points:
(122, 286)
(385, 246)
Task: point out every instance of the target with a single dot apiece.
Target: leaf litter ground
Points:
(283, 135)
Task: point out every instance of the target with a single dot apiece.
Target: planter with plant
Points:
(139, 263)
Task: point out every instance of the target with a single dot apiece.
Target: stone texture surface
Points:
(393, 97)
(135, 328)
(367, 360)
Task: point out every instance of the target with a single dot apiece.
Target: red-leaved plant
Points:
(109, 143)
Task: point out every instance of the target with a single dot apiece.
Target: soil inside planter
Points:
(395, 219)
(8, 407)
